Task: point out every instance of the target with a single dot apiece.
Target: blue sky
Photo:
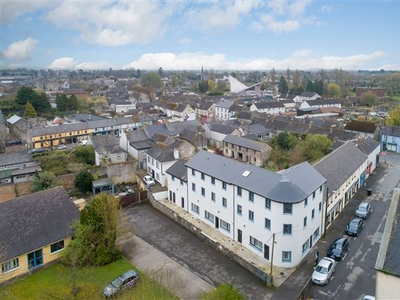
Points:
(186, 35)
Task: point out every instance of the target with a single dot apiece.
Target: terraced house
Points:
(253, 206)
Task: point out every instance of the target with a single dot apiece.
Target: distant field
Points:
(56, 282)
(395, 98)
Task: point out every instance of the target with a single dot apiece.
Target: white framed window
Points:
(239, 191)
(286, 256)
(57, 246)
(10, 265)
(305, 222)
(287, 208)
(251, 196)
(305, 246)
(213, 196)
(267, 223)
(256, 243)
(193, 187)
(203, 191)
(251, 215)
(312, 214)
(287, 229)
(224, 202)
(195, 208)
(267, 203)
(239, 209)
(209, 216)
(225, 225)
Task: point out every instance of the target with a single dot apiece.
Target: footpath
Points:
(293, 287)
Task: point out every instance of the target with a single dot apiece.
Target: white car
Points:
(148, 180)
(323, 271)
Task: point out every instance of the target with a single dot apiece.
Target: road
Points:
(355, 276)
(189, 251)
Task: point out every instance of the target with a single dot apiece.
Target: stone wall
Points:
(122, 172)
(68, 180)
(266, 278)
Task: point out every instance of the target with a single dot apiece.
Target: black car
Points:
(122, 282)
(338, 249)
(354, 227)
(13, 142)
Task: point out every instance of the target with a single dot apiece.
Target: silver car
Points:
(363, 210)
(323, 271)
(118, 285)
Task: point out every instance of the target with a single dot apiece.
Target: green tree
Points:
(223, 292)
(138, 73)
(44, 180)
(83, 181)
(319, 87)
(316, 146)
(30, 111)
(85, 154)
(394, 117)
(283, 86)
(65, 103)
(41, 103)
(310, 86)
(369, 99)
(25, 94)
(286, 141)
(334, 90)
(95, 234)
(152, 79)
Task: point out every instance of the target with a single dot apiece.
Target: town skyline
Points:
(173, 35)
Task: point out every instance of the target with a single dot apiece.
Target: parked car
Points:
(363, 210)
(13, 142)
(148, 180)
(61, 147)
(128, 190)
(338, 249)
(122, 282)
(354, 227)
(37, 150)
(323, 271)
(82, 142)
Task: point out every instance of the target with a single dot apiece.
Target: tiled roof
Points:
(178, 169)
(30, 222)
(12, 158)
(243, 142)
(350, 158)
(361, 126)
(289, 186)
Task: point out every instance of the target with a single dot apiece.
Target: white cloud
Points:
(327, 8)
(113, 23)
(97, 65)
(20, 50)
(11, 10)
(220, 15)
(185, 41)
(301, 59)
(64, 63)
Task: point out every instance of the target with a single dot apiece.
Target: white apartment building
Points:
(252, 205)
(223, 110)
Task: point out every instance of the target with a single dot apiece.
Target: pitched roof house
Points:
(34, 229)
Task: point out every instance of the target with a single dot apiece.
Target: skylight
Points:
(246, 173)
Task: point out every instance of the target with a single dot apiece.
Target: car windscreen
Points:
(321, 269)
(116, 282)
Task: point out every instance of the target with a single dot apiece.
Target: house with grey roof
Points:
(34, 230)
(269, 107)
(363, 128)
(216, 132)
(205, 111)
(16, 167)
(136, 143)
(223, 110)
(390, 139)
(246, 150)
(164, 154)
(252, 205)
(345, 169)
(321, 102)
(305, 96)
(107, 149)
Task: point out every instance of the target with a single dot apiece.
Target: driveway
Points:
(186, 249)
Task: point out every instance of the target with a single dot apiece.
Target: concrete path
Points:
(164, 270)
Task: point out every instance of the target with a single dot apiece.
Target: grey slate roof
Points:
(367, 145)
(179, 127)
(30, 222)
(391, 131)
(221, 128)
(12, 158)
(323, 101)
(178, 169)
(243, 142)
(289, 186)
(269, 104)
(162, 152)
(338, 166)
(157, 128)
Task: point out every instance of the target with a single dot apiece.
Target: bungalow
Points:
(272, 108)
(16, 167)
(107, 147)
(34, 229)
(306, 96)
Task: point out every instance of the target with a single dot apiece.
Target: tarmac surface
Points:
(187, 283)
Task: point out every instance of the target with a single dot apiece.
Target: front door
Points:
(239, 236)
(266, 251)
(216, 222)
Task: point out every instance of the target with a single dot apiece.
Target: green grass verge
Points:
(55, 282)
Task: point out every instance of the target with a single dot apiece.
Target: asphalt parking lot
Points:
(185, 248)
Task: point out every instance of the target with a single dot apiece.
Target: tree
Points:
(286, 141)
(65, 103)
(282, 86)
(83, 181)
(369, 99)
(316, 146)
(334, 90)
(85, 154)
(25, 94)
(41, 103)
(95, 234)
(138, 73)
(45, 180)
(394, 117)
(273, 77)
(30, 111)
(223, 292)
(152, 79)
(310, 86)
(319, 87)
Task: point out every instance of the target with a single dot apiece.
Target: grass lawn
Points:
(56, 282)
(395, 98)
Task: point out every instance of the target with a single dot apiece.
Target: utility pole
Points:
(272, 257)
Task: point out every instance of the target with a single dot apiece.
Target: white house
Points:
(223, 110)
(306, 96)
(273, 108)
(321, 102)
(254, 206)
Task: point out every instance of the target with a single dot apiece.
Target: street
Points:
(355, 276)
